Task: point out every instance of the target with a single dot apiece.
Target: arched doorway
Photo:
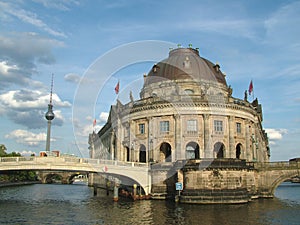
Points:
(238, 151)
(219, 149)
(165, 152)
(192, 151)
(142, 153)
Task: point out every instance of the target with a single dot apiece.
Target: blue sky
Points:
(258, 40)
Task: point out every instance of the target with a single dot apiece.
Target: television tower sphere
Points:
(49, 115)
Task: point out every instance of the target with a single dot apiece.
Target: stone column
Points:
(231, 138)
(248, 139)
(134, 192)
(178, 138)
(207, 150)
(131, 141)
(111, 144)
(119, 147)
(150, 140)
(116, 192)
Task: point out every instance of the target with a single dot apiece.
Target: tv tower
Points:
(49, 116)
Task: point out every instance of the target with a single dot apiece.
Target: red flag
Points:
(94, 122)
(250, 88)
(117, 88)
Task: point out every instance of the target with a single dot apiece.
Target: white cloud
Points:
(28, 99)
(282, 27)
(103, 117)
(73, 78)
(28, 17)
(5, 68)
(27, 153)
(275, 135)
(27, 138)
(20, 53)
(63, 5)
(28, 107)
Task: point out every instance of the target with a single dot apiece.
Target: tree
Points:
(13, 154)
(2, 150)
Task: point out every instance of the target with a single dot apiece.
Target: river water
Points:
(75, 204)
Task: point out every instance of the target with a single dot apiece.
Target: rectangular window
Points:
(164, 126)
(191, 125)
(141, 128)
(238, 128)
(218, 125)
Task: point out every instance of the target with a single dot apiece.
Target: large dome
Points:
(185, 63)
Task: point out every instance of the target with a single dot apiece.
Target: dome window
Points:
(217, 67)
(155, 68)
(189, 91)
(186, 63)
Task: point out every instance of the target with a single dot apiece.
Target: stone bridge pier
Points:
(46, 177)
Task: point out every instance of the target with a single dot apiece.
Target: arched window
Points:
(219, 149)
(238, 151)
(142, 153)
(192, 151)
(165, 152)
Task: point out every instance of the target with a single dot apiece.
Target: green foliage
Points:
(18, 176)
(13, 154)
(2, 150)
(15, 176)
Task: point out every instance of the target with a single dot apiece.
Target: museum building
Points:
(186, 111)
(189, 129)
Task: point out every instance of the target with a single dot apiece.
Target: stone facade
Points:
(186, 111)
(184, 115)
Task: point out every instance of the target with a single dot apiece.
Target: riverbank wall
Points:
(21, 183)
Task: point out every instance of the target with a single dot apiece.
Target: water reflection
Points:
(75, 204)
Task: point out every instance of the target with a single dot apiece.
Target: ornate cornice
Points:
(163, 105)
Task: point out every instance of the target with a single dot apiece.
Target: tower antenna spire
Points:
(51, 90)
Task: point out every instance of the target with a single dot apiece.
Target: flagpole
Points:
(117, 87)
(252, 90)
(94, 125)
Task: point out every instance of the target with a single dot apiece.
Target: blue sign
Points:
(179, 186)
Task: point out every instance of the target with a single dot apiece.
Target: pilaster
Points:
(248, 141)
(231, 137)
(178, 138)
(207, 139)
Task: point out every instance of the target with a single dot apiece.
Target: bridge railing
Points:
(71, 160)
(277, 165)
(16, 159)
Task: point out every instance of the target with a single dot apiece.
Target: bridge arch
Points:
(65, 177)
(125, 182)
(50, 177)
(286, 175)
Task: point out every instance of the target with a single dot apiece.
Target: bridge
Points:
(274, 173)
(136, 172)
(267, 176)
